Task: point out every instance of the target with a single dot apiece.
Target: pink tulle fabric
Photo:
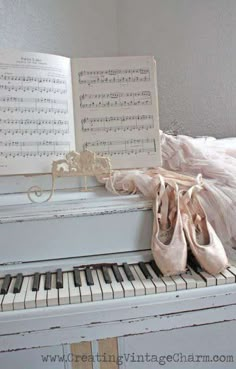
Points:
(216, 160)
(183, 159)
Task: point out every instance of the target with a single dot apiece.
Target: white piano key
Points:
(96, 289)
(52, 294)
(1, 296)
(30, 297)
(107, 292)
(63, 293)
(210, 279)
(230, 278)
(74, 291)
(41, 295)
(200, 282)
(126, 284)
(189, 280)
(7, 302)
(139, 288)
(159, 284)
(117, 288)
(170, 284)
(180, 282)
(19, 300)
(148, 284)
(232, 269)
(85, 289)
(220, 279)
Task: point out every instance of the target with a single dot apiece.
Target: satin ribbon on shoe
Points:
(201, 236)
(169, 246)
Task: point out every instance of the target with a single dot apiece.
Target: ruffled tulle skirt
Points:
(184, 158)
(216, 160)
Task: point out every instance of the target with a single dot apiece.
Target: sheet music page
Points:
(116, 109)
(36, 111)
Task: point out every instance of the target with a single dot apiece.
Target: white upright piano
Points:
(77, 277)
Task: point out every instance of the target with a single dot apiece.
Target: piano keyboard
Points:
(103, 282)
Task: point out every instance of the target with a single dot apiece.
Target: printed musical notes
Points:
(116, 110)
(111, 108)
(115, 99)
(36, 111)
(32, 105)
(114, 76)
(33, 126)
(118, 123)
(26, 149)
(24, 88)
(122, 147)
(27, 78)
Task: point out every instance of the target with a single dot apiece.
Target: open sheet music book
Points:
(50, 105)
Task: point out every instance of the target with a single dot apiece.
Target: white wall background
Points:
(194, 42)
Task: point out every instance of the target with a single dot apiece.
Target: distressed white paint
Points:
(102, 319)
(31, 359)
(89, 226)
(193, 42)
(211, 339)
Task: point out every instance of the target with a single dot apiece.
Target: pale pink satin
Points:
(184, 158)
(171, 256)
(216, 160)
(202, 238)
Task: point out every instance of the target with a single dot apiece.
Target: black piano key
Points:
(145, 270)
(188, 271)
(193, 263)
(155, 268)
(18, 283)
(6, 284)
(106, 275)
(59, 279)
(77, 279)
(48, 281)
(117, 274)
(36, 282)
(128, 272)
(89, 277)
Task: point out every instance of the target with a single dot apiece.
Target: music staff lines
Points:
(118, 123)
(122, 147)
(10, 143)
(115, 99)
(15, 88)
(12, 109)
(10, 78)
(33, 105)
(32, 100)
(31, 126)
(114, 76)
(33, 148)
(33, 153)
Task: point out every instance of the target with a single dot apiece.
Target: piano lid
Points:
(75, 224)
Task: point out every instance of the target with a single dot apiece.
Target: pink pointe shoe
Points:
(169, 245)
(202, 239)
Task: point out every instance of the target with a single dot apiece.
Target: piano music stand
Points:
(86, 163)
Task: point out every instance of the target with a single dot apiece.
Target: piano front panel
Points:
(210, 346)
(106, 230)
(58, 238)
